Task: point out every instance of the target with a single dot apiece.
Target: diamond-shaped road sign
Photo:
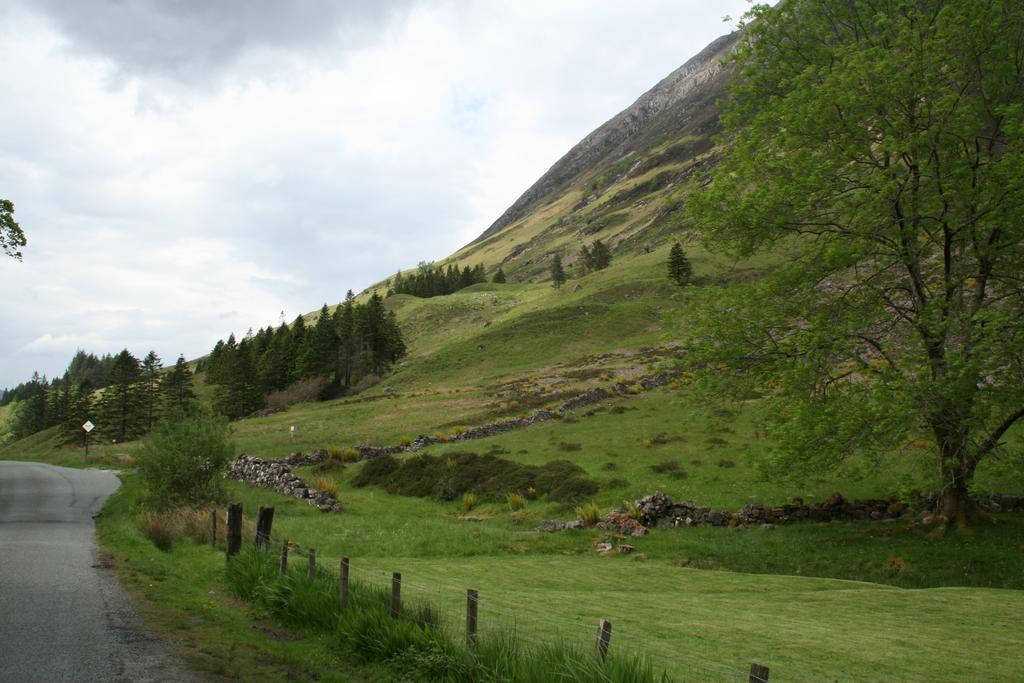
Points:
(88, 426)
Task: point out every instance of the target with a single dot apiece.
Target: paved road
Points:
(63, 617)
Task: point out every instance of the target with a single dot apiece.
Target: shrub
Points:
(468, 501)
(327, 485)
(163, 528)
(349, 455)
(669, 467)
(449, 476)
(589, 514)
(405, 441)
(303, 391)
(516, 501)
(647, 443)
(365, 383)
(181, 462)
(159, 529)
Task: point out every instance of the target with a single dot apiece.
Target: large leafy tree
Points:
(877, 148)
(12, 238)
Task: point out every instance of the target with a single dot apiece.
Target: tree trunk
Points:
(955, 504)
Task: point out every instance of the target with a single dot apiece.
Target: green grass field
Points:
(840, 601)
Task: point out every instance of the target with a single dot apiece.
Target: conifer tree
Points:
(119, 409)
(80, 409)
(238, 394)
(499, 277)
(601, 255)
(585, 262)
(176, 387)
(319, 356)
(296, 345)
(557, 272)
(273, 365)
(149, 389)
(679, 269)
(345, 328)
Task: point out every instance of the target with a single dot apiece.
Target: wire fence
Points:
(472, 617)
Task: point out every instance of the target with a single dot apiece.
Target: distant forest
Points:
(123, 396)
(126, 397)
(329, 357)
(429, 280)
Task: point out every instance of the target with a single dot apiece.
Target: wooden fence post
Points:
(472, 598)
(264, 522)
(284, 557)
(396, 595)
(312, 564)
(343, 583)
(234, 528)
(213, 528)
(758, 673)
(604, 637)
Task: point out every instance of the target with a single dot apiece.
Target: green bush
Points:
(181, 462)
(450, 476)
(589, 514)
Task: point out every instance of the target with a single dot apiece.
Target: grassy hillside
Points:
(864, 600)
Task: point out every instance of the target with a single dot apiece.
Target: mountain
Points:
(682, 104)
(617, 184)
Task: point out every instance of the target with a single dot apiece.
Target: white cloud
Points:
(170, 199)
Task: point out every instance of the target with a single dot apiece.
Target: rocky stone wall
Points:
(658, 509)
(277, 475)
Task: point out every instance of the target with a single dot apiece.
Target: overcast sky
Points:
(186, 168)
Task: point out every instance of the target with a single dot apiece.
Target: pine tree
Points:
(238, 394)
(557, 272)
(601, 255)
(120, 417)
(345, 328)
(176, 388)
(273, 366)
(679, 269)
(585, 262)
(319, 353)
(149, 386)
(499, 277)
(80, 409)
(296, 345)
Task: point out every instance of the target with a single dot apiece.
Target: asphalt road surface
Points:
(63, 616)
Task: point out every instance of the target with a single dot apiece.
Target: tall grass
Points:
(164, 528)
(418, 645)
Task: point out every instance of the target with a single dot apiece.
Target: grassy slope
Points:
(492, 351)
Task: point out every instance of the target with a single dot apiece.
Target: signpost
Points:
(88, 427)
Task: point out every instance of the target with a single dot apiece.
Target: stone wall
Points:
(658, 509)
(277, 475)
